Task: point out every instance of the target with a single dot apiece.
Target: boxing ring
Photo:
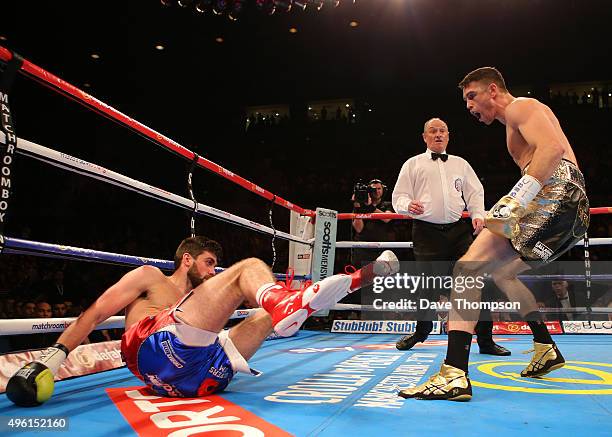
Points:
(303, 393)
(315, 383)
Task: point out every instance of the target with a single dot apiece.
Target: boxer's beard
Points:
(194, 276)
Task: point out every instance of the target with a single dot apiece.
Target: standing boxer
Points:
(543, 216)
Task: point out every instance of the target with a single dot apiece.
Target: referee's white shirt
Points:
(439, 186)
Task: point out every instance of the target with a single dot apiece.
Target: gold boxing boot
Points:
(450, 383)
(546, 358)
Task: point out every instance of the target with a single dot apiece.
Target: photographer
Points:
(367, 199)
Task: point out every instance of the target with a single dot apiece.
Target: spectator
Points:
(55, 288)
(596, 95)
(28, 310)
(43, 310)
(59, 309)
(562, 297)
(10, 309)
(69, 308)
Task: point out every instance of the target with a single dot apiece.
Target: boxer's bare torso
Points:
(521, 151)
(160, 294)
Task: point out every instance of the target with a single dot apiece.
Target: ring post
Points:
(324, 251)
(300, 255)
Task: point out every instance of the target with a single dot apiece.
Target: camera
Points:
(361, 192)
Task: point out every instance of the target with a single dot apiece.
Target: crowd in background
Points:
(314, 162)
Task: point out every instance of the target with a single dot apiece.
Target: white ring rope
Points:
(37, 326)
(408, 244)
(94, 171)
(358, 307)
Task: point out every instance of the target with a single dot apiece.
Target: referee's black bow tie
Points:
(442, 156)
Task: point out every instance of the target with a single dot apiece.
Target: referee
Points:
(435, 188)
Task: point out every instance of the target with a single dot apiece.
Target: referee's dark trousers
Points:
(443, 242)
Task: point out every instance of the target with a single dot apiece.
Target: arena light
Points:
(301, 3)
(266, 6)
(203, 6)
(237, 7)
(316, 3)
(167, 3)
(283, 5)
(185, 3)
(95, 56)
(219, 7)
(159, 47)
(292, 30)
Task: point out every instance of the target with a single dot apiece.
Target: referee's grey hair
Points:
(426, 125)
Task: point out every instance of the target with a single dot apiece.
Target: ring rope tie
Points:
(587, 275)
(273, 230)
(194, 161)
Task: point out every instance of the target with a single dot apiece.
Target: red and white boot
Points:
(385, 265)
(290, 308)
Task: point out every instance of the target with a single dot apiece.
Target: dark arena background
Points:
(288, 104)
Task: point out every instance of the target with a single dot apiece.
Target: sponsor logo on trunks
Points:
(169, 352)
(155, 416)
(543, 251)
(168, 388)
(505, 375)
(582, 218)
(222, 372)
(303, 256)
